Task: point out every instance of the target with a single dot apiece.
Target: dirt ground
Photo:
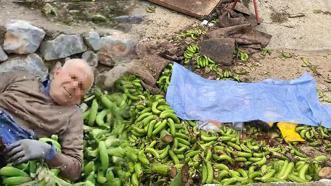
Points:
(155, 24)
(296, 24)
(303, 38)
(276, 66)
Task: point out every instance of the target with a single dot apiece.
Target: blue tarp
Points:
(195, 98)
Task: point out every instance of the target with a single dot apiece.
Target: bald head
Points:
(71, 82)
(82, 65)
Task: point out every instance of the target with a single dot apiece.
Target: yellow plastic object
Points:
(288, 131)
(270, 124)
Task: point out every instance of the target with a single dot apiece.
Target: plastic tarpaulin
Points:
(195, 98)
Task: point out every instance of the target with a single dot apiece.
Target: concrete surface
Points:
(311, 32)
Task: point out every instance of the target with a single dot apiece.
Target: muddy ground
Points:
(300, 30)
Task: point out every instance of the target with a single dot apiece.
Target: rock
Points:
(92, 40)
(107, 79)
(62, 46)
(162, 48)
(220, 50)
(325, 173)
(91, 58)
(155, 64)
(48, 9)
(98, 18)
(105, 57)
(116, 48)
(22, 37)
(3, 55)
(32, 63)
(129, 19)
(124, 27)
(147, 47)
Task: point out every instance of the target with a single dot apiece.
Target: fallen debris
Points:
(296, 15)
(195, 8)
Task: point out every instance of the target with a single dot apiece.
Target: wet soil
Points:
(76, 12)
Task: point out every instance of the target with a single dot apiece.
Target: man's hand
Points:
(26, 149)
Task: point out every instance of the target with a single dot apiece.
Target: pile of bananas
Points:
(109, 159)
(108, 156)
(236, 161)
(132, 137)
(154, 143)
(218, 157)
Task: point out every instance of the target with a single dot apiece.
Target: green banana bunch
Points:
(242, 55)
(164, 79)
(190, 53)
(315, 134)
(204, 61)
(131, 86)
(328, 148)
(33, 173)
(53, 140)
(227, 74)
(193, 33)
(27, 173)
(14, 176)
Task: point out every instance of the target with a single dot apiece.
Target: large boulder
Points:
(62, 46)
(219, 49)
(116, 48)
(32, 63)
(22, 38)
(3, 55)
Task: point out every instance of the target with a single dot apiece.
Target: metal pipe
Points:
(256, 12)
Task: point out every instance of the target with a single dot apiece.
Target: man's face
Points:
(70, 83)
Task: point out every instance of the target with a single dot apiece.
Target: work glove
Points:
(28, 149)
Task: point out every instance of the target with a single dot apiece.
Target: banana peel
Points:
(288, 132)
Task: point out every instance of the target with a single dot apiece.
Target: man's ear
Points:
(56, 68)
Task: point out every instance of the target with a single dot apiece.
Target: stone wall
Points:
(25, 46)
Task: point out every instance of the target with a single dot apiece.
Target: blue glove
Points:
(28, 149)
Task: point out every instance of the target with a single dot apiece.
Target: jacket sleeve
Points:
(6, 78)
(69, 161)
